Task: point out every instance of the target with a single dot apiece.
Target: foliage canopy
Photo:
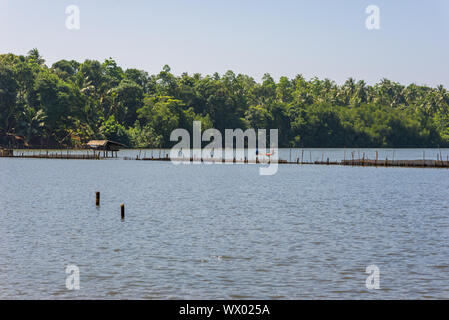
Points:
(70, 103)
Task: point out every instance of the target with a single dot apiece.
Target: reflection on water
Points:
(222, 231)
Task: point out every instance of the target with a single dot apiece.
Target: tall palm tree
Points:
(349, 89)
(32, 123)
(441, 99)
(361, 91)
(34, 55)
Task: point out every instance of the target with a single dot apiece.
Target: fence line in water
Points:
(66, 154)
(364, 161)
(294, 156)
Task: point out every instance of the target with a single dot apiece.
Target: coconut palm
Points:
(32, 123)
(35, 56)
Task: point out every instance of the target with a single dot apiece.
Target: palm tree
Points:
(349, 89)
(33, 123)
(361, 91)
(35, 56)
(441, 99)
(411, 94)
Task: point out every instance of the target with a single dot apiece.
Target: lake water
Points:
(223, 231)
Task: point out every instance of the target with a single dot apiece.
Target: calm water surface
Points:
(221, 231)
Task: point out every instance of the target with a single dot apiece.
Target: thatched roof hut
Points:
(105, 145)
(6, 153)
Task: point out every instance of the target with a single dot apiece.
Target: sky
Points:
(322, 38)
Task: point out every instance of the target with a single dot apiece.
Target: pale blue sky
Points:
(324, 38)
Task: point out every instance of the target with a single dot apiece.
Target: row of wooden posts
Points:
(439, 156)
(165, 157)
(97, 203)
(60, 154)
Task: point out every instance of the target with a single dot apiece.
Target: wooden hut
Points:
(106, 146)
(6, 153)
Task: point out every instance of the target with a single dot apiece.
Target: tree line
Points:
(70, 103)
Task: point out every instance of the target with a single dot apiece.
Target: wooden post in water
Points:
(122, 209)
(97, 198)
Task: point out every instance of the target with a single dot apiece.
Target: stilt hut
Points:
(6, 153)
(106, 146)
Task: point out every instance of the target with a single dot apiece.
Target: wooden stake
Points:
(97, 201)
(122, 208)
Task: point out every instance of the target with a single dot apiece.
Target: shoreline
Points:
(364, 162)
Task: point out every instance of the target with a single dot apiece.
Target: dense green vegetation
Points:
(71, 103)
